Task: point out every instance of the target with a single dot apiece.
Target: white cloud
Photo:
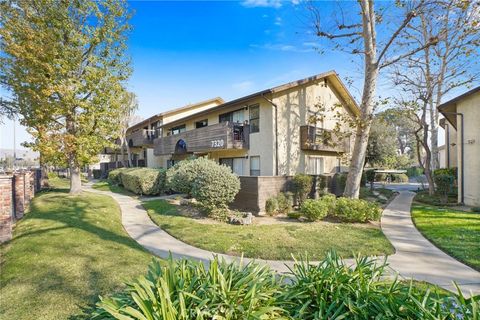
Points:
(262, 3)
(265, 16)
(295, 2)
(278, 21)
(243, 86)
(281, 47)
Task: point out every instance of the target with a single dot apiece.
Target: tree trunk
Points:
(75, 178)
(123, 145)
(352, 187)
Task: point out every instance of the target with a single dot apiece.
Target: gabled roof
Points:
(332, 76)
(451, 106)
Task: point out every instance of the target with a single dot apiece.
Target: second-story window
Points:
(201, 123)
(178, 129)
(254, 118)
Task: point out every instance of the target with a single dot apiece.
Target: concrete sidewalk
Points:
(415, 256)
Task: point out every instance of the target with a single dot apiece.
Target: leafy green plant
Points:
(414, 171)
(314, 210)
(330, 201)
(145, 181)
(285, 202)
(184, 289)
(180, 177)
(448, 171)
(114, 176)
(356, 210)
(302, 185)
(271, 206)
(476, 209)
(399, 177)
(444, 185)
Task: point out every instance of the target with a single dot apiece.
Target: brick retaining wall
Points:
(16, 193)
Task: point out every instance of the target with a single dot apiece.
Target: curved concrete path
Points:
(415, 257)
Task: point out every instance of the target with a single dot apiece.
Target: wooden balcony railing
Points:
(142, 137)
(312, 138)
(225, 135)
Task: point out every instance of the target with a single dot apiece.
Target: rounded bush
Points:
(285, 202)
(314, 210)
(356, 210)
(114, 176)
(302, 185)
(271, 206)
(213, 185)
(180, 177)
(381, 177)
(330, 200)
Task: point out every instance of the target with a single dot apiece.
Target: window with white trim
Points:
(255, 166)
(315, 165)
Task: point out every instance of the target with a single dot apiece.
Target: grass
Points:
(64, 253)
(105, 186)
(455, 232)
(436, 200)
(275, 241)
(367, 194)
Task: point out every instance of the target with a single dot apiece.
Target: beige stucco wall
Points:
(293, 112)
(451, 137)
(185, 112)
(470, 108)
(442, 157)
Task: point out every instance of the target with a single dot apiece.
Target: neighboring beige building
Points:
(442, 156)
(268, 133)
(462, 141)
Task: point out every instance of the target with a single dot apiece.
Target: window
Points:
(315, 165)
(201, 123)
(236, 164)
(255, 166)
(177, 130)
(234, 116)
(254, 118)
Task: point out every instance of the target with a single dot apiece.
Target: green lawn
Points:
(277, 241)
(455, 232)
(105, 186)
(65, 252)
(436, 200)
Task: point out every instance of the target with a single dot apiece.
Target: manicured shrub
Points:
(399, 177)
(331, 289)
(356, 210)
(219, 214)
(476, 209)
(285, 202)
(444, 185)
(340, 181)
(144, 181)
(214, 185)
(114, 176)
(414, 171)
(370, 175)
(330, 201)
(446, 171)
(302, 185)
(180, 177)
(271, 206)
(314, 210)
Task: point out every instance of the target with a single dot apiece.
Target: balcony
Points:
(220, 136)
(142, 138)
(312, 138)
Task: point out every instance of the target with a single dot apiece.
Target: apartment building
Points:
(279, 131)
(462, 143)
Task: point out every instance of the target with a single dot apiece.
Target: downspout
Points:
(276, 131)
(448, 145)
(462, 155)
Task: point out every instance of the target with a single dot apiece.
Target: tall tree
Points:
(127, 113)
(359, 37)
(64, 65)
(453, 63)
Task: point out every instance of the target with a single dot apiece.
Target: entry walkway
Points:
(415, 256)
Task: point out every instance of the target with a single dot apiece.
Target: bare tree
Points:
(359, 37)
(129, 106)
(451, 64)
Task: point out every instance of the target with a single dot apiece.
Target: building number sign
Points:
(219, 143)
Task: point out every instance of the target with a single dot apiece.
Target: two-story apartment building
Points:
(275, 132)
(462, 143)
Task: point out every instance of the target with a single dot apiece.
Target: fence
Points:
(16, 192)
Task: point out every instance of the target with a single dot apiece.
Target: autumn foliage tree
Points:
(63, 64)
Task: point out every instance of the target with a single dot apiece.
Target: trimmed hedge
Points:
(144, 181)
(314, 210)
(180, 177)
(356, 210)
(302, 185)
(448, 171)
(279, 204)
(399, 177)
